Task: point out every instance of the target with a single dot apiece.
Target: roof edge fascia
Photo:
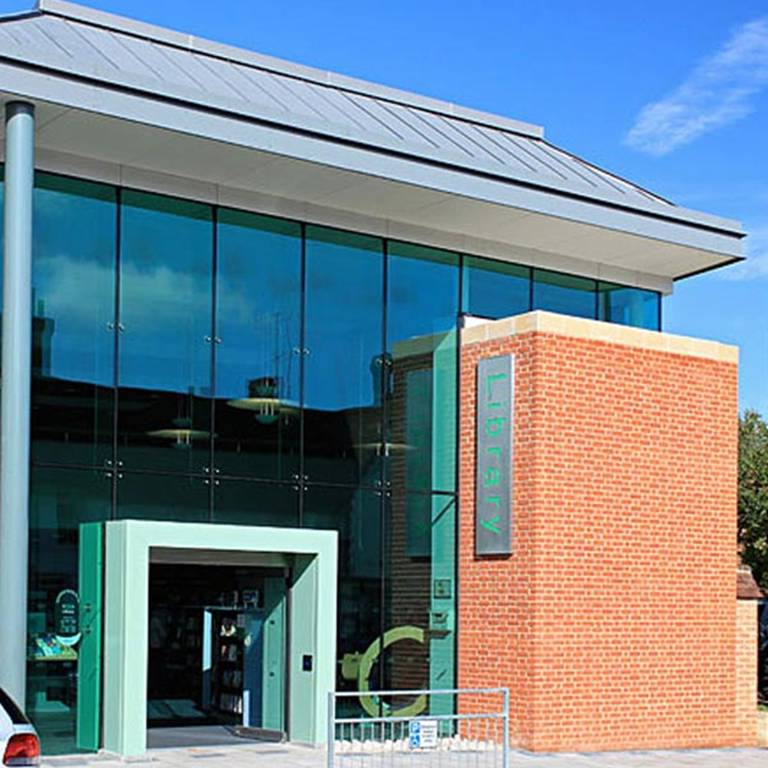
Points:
(281, 66)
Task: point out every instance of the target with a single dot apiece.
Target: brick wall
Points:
(746, 670)
(614, 621)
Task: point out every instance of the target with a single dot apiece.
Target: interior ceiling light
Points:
(181, 433)
(384, 449)
(264, 402)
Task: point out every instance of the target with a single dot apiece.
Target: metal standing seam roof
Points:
(72, 41)
(68, 38)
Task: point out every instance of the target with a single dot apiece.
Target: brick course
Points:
(614, 621)
(746, 670)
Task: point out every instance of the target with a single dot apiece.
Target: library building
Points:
(313, 385)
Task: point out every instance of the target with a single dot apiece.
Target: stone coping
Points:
(477, 331)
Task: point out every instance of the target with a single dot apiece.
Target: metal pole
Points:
(505, 721)
(331, 727)
(15, 399)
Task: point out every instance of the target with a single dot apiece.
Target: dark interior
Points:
(178, 597)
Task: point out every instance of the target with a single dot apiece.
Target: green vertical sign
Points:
(495, 428)
(89, 651)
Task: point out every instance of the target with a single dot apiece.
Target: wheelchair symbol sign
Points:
(422, 734)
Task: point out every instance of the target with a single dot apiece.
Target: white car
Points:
(19, 744)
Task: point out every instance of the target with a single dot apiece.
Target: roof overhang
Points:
(127, 135)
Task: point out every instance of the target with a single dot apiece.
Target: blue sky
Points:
(672, 95)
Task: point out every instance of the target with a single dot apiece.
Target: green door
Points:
(273, 688)
(89, 651)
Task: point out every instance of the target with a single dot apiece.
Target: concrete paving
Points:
(258, 755)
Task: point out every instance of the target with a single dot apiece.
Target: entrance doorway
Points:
(216, 651)
(291, 623)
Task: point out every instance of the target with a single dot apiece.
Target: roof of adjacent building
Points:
(81, 46)
(746, 586)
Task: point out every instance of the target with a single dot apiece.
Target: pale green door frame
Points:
(312, 619)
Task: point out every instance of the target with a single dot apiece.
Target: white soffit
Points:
(138, 156)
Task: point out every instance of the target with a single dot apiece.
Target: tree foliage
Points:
(753, 494)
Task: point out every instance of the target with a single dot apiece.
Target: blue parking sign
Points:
(414, 734)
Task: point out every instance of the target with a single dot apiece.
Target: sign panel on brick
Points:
(495, 429)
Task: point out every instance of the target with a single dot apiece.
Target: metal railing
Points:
(476, 736)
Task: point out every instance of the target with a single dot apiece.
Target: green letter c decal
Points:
(370, 703)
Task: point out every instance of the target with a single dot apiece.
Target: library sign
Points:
(495, 426)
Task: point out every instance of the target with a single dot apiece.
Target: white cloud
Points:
(720, 90)
(756, 265)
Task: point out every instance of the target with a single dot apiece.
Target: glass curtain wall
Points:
(566, 294)
(258, 341)
(420, 441)
(492, 290)
(345, 385)
(258, 335)
(73, 284)
(61, 499)
(629, 306)
(344, 363)
(165, 321)
(73, 287)
(194, 363)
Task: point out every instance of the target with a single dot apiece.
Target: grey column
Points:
(15, 406)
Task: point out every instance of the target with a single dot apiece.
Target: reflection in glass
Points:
(165, 350)
(356, 515)
(258, 308)
(420, 602)
(240, 502)
(629, 306)
(422, 305)
(344, 366)
(163, 497)
(494, 289)
(73, 279)
(566, 294)
(60, 499)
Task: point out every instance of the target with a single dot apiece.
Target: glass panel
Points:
(356, 515)
(73, 288)
(629, 306)
(420, 603)
(494, 289)
(163, 497)
(246, 503)
(259, 322)
(566, 294)
(60, 499)
(422, 288)
(343, 368)
(165, 362)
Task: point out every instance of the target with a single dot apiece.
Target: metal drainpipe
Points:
(15, 399)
